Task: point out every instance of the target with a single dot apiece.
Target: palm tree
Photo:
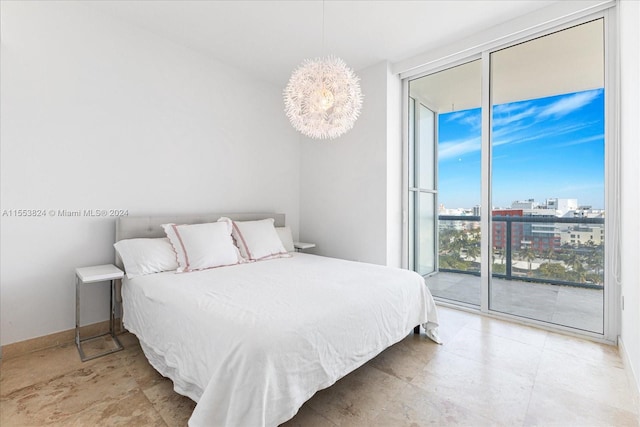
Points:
(458, 244)
(473, 245)
(528, 254)
(473, 250)
(595, 261)
(575, 262)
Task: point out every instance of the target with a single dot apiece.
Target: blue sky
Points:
(542, 148)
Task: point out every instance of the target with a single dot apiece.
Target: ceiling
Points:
(564, 62)
(268, 39)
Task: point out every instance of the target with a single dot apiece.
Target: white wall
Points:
(97, 114)
(629, 16)
(344, 193)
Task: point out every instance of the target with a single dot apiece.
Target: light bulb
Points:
(326, 99)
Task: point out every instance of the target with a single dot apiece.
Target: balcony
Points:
(544, 268)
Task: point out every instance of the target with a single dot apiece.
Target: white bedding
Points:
(252, 342)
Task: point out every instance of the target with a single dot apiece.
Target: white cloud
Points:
(510, 107)
(568, 104)
(512, 126)
(456, 116)
(582, 140)
(519, 135)
(455, 149)
(514, 133)
(470, 118)
(510, 118)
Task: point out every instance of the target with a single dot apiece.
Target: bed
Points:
(250, 343)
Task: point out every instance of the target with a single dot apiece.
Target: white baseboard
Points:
(631, 375)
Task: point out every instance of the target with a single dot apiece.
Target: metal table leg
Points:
(112, 311)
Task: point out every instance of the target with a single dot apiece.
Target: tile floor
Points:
(487, 373)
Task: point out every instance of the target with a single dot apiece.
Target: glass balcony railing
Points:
(558, 251)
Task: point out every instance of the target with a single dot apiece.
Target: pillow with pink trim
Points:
(202, 246)
(258, 240)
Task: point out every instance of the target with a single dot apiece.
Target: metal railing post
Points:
(508, 251)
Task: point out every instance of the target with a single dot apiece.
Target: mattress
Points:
(251, 343)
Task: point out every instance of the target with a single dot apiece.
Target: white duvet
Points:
(251, 343)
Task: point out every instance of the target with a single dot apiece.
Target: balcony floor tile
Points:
(579, 308)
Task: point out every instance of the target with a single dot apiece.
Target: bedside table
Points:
(300, 246)
(96, 274)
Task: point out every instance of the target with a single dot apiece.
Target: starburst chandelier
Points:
(323, 97)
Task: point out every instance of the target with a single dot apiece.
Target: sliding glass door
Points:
(512, 219)
(547, 186)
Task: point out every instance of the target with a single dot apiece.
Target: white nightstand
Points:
(300, 246)
(95, 274)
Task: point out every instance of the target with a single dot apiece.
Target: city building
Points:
(582, 235)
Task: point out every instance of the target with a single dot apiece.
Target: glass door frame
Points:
(612, 289)
(418, 188)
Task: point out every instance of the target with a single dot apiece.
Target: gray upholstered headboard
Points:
(131, 227)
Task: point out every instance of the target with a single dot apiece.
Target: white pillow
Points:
(286, 237)
(202, 246)
(258, 240)
(146, 256)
